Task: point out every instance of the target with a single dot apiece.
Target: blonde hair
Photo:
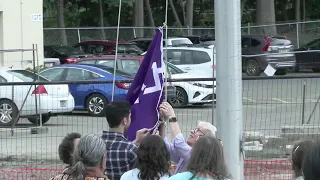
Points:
(210, 130)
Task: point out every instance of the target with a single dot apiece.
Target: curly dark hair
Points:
(66, 147)
(311, 163)
(153, 158)
(299, 152)
(207, 158)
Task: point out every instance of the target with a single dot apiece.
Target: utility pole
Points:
(229, 83)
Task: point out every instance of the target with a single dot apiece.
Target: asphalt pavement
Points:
(267, 105)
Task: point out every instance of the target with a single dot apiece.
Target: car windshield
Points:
(67, 50)
(128, 66)
(173, 69)
(118, 72)
(27, 76)
(129, 48)
(181, 41)
(279, 42)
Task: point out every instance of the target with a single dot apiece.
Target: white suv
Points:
(196, 60)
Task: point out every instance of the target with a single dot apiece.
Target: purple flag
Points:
(145, 94)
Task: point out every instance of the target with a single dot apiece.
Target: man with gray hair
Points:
(180, 150)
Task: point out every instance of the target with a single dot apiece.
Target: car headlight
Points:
(200, 85)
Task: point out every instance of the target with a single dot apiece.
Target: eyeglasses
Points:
(197, 130)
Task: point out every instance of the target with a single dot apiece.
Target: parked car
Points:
(263, 46)
(66, 54)
(127, 63)
(52, 99)
(92, 97)
(196, 59)
(108, 47)
(144, 43)
(309, 60)
(197, 92)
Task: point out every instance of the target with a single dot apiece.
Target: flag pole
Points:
(165, 24)
(229, 83)
(116, 55)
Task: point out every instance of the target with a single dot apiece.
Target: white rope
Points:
(116, 55)
(166, 54)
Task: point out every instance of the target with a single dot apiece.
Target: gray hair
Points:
(209, 129)
(88, 153)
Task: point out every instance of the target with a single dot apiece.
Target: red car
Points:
(126, 63)
(108, 47)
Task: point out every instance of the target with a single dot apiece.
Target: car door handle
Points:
(187, 68)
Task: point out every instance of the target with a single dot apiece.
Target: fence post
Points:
(298, 37)
(303, 100)
(79, 36)
(249, 29)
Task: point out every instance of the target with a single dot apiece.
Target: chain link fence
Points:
(277, 111)
(299, 33)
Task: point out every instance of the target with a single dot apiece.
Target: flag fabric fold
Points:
(146, 92)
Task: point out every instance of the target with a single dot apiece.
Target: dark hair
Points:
(298, 154)
(207, 158)
(116, 111)
(311, 163)
(66, 147)
(153, 158)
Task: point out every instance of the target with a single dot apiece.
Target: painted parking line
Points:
(280, 100)
(249, 99)
(14, 130)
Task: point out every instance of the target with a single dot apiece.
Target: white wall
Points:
(18, 31)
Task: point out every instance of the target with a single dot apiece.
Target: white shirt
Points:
(133, 175)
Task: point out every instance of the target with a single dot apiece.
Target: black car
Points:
(259, 51)
(66, 54)
(309, 60)
(142, 43)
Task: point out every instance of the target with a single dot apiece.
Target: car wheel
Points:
(8, 112)
(281, 72)
(252, 68)
(316, 70)
(181, 98)
(36, 120)
(96, 105)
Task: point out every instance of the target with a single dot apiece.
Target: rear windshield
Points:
(128, 48)
(68, 50)
(128, 66)
(27, 76)
(118, 72)
(279, 42)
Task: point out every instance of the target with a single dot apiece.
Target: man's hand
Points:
(166, 111)
(141, 134)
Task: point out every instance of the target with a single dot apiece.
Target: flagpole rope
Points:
(116, 54)
(166, 54)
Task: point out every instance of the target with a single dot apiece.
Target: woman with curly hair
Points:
(206, 162)
(153, 161)
(299, 152)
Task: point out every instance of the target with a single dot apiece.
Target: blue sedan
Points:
(92, 97)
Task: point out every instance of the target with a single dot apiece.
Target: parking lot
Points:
(267, 105)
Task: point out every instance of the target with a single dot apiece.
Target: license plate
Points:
(63, 103)
(283, 50)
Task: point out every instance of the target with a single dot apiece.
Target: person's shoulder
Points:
(183, 175)
(130, 175)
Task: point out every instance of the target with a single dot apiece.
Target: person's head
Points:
(311, 163)
(207, 158)
(90, 153)
(66, 147)
(299, 152)
(153, 158)
(118, 115)
(202, 129)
